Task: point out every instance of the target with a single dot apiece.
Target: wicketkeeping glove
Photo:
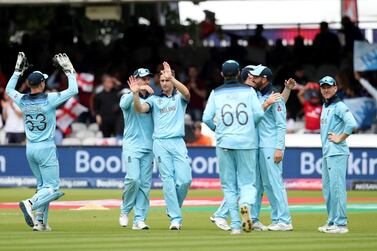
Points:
(21, 64)
(62, 61)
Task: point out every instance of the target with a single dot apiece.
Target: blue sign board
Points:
(102, 166)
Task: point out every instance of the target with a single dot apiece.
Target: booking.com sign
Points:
(105, 162)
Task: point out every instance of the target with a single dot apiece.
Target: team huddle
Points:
(249, 121)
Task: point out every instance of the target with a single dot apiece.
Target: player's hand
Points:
(273, 98)
(62, 61)
(290, 83)
(21, 63)
(278, 156)
(333, 138)
(133, 83)
(167, 71)
(146, 88)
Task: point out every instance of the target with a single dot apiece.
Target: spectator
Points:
(201, 140)
(300, 52)
(198, 93)
(326, 46)
(14, 124)
(351, 34)
(279, 54)
(258, 40)
(208, 25)
(106, 106)
(309, 97)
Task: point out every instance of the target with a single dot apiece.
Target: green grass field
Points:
(99, 230)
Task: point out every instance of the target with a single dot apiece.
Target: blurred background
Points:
(107, 40)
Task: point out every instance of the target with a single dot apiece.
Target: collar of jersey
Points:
(144, 97)
(267, 89)
(334, 99)
(231, 81)
(162, 94)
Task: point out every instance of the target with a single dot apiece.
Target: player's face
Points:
(259, 82)
(250, 80)
(166, 85)
(145, 80)
(328, 91)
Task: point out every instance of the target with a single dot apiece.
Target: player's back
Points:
(237, 108)
(39, 116)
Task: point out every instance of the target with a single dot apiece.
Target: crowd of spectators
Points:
(196, 66)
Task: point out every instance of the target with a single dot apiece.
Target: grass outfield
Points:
(99, 230)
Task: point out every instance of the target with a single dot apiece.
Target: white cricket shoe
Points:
(140, 225)
(39, 226)
(175, 226)
(246, 221)
(323, 228)
(280, 227)
(336, 230)
(25, 207)
(220, 223)
(258, 226)
(123, 220)
(235, 231)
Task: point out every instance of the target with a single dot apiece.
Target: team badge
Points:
(279, 108)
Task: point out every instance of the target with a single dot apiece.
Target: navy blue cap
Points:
(230, 68)
(142, 72)
(36, 77)
(262, 71)
(327, 80)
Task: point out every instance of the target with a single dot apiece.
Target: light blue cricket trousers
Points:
(175, 173)
(237, 176)
(273, 184)
(43, 162)
(223, 211)
(137, 182)
(334, 188)
(255, 209)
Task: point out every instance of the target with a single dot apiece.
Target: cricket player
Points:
(237, 111)
(220, 216)
(337, 123)
(168, 111)
(38, 111)
(271, 133)
(137, 153)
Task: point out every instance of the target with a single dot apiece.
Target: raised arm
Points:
(63, 62)
(21, 66)
(135, 88)
(289, 85)
(177, 84)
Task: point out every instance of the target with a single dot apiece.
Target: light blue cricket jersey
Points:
(338, 119)
(138, 127)
(168, 115)
(39, 109)
(237, 110)
(272, 127)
